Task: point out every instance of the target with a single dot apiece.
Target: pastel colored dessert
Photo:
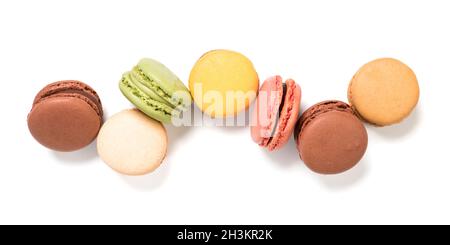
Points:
(66, 115)
(330, 138)
(223, 83)
(384, 91)
(132, 143)
(155, 90)
(276, 113)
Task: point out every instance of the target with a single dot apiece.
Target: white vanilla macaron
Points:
(132, 143)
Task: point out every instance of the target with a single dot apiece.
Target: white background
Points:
(218, 175)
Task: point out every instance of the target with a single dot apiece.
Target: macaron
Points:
(276, 112)
(65, 116)
(223, 83)
(330, 138)
(384, 91)
(132, 143)
(155, 90)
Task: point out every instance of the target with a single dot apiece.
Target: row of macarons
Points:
(330, 136)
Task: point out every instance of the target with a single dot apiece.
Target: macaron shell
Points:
(70, 86)
(64, 122)
(332, 142)
(384, 91)
(164, 81)
(317, 109)
(132, 143)
(288, 116)
(221, 72)
(265, 115)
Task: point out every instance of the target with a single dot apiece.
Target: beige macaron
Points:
(384, 91)
(132, 143)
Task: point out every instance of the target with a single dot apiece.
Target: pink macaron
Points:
(276, 112)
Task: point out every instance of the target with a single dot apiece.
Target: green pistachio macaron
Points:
(155, 90)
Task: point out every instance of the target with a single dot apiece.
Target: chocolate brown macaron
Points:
(66, 115)
(330, 138)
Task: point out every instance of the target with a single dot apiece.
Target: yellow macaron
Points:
(223, 83)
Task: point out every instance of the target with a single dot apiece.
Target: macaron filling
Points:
(141, 97)
(71, 87)
(277, 118)
(285, 118)
(145, 89)
(150, 83)
(75, 94)
(283, 98)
